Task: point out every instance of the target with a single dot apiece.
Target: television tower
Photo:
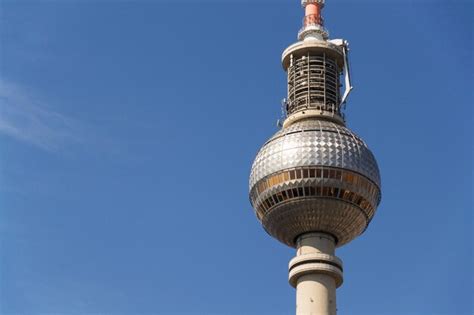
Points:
(314, 184)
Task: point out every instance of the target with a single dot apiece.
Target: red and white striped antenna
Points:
(313, 22)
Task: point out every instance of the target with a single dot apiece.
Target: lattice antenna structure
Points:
(315, 185)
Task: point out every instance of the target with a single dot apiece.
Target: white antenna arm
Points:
(347, 76)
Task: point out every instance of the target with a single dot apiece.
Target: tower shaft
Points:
(315, 273)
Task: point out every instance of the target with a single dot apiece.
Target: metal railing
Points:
(313, 83)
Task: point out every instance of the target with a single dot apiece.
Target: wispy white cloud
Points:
(26, 118)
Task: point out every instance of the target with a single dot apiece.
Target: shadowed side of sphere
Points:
(315, 175)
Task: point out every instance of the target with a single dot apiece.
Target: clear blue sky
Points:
(127, 134)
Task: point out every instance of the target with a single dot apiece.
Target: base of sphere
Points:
(288, 221)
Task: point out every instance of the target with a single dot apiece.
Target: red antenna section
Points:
(313, 21)
(313, 13)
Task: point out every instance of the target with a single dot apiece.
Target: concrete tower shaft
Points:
(315, 273)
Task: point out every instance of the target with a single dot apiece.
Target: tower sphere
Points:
(315, 176)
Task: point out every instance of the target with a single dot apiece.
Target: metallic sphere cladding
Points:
(315, 176)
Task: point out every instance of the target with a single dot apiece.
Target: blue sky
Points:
(127, 133)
